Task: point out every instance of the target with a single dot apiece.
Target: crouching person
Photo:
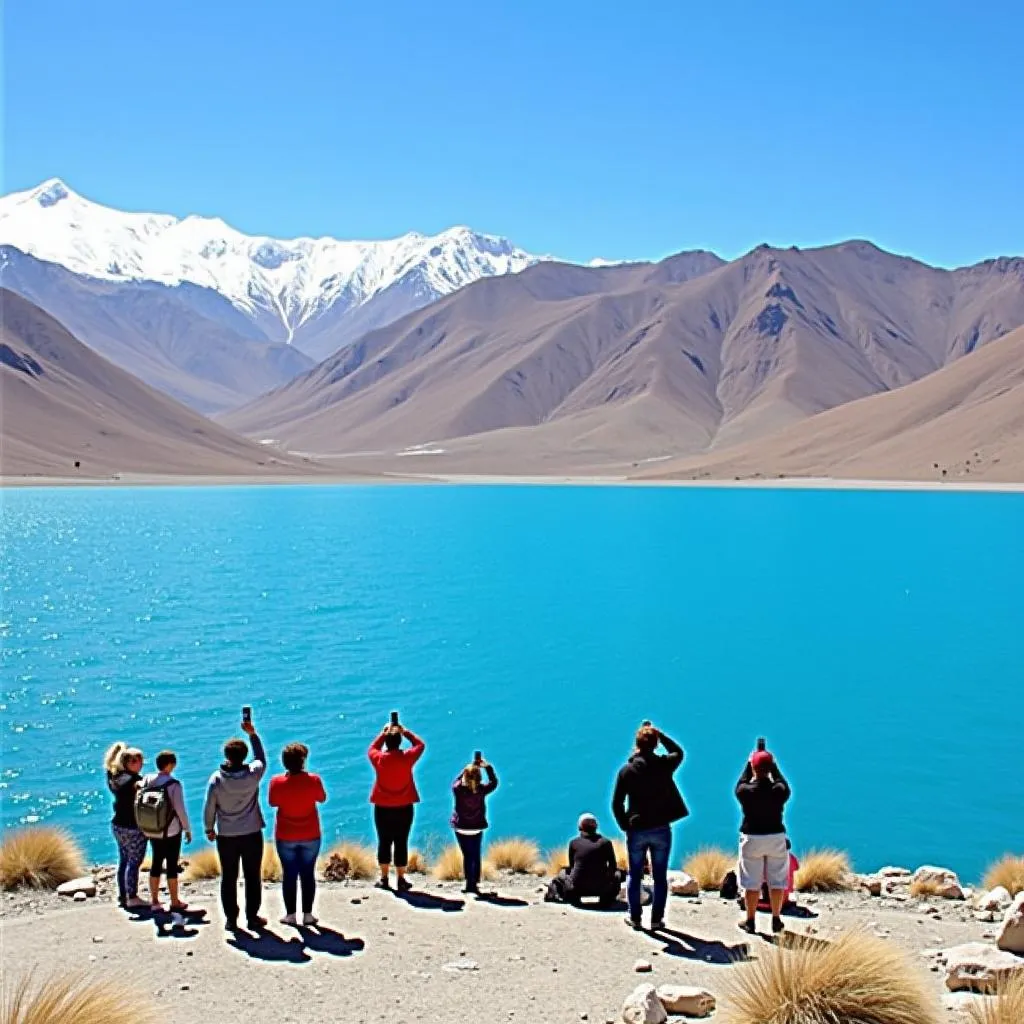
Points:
(592, 870)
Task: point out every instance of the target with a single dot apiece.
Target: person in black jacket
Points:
(764, 854)
(592, 870)
(123, 766)
(645, 803)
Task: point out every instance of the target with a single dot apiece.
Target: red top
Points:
(394, 786)
(296, 797)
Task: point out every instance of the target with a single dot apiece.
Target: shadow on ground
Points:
(267, 945)
(690, 947)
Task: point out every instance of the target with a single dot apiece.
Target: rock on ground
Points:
(642, 1006)
(687, 1000)
(682, 884)
(1011, 937)
(86, 884)
(978, 967)
(945, 881)
(995, 899)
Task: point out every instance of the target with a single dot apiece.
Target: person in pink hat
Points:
(762, 792)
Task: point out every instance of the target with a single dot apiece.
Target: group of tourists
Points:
(646, 802)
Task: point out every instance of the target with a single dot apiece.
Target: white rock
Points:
(682, 884)
(978, 967)
(1011, 937)
(462, 965)
(894, 873)
(86, 884)
(687, 1000)
(946, 883)
(642, 1006)
(79, 897)
(995, 899)
(643, 966)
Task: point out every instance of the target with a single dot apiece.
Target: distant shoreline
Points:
(496, 479)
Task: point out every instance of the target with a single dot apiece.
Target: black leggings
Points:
(393, 827)
(165, 851)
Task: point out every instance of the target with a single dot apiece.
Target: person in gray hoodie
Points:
(233, 819)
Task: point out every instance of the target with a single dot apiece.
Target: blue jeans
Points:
(298, 861)
(657, 842)
(470, 846)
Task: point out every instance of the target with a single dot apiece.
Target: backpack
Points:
(154, 811)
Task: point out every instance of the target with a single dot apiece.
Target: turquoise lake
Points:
(876, 638)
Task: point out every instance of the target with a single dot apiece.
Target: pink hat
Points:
(761, 759)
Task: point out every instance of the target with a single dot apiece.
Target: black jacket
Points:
(124, 786)
(591, 864)
(762, 801)
(646, 796)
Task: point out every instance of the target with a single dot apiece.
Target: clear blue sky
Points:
(621, 130)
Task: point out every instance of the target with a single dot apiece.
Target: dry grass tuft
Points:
(858, 978)
(621, 855)
(709, 866)
(557, 860)
(270, 869)
(38, 858)
(517, 855)
(448, 866)
(348, 860)
(1006, 1008)
(417, 863)
(203, 864)
(72, 999)
(1007, 872)
(924, 887)
(824, 871)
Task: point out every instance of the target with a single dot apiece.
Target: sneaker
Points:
(308, 919)
(255, 923)
(403, 885)
(659, 925)
(778, 925)
(290, 919)
(750, 927)
(634, 923)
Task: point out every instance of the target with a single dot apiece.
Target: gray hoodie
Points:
(232, 805)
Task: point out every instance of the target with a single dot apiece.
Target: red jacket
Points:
(296, 797)
(394, 786)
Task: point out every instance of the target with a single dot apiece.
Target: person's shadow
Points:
(497, 900)
(175, 925)
(267, 945)
(689, 947)
(428, 901)
(319, 939)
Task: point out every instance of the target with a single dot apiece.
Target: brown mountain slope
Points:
(965, 421)
(60, 403)
(632, 363)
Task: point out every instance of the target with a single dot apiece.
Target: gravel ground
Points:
(434, 956)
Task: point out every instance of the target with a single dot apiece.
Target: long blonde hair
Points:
(471, 776)
(117, 757)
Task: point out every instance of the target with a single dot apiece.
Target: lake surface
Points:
(876, 638)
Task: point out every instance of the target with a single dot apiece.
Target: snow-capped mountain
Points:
(314, 294)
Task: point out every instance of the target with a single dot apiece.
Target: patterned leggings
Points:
(131, 848)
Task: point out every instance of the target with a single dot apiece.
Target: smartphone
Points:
(477, 757)
(761, 743)
(246, 714)
(394, 718)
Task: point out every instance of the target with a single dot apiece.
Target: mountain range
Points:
(184, 303)
(476, 357)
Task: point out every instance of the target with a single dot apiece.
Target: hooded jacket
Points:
(646, 795)
(232, 805)
(123, 785)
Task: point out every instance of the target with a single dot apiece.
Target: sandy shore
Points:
(786, 483)
(435, 957)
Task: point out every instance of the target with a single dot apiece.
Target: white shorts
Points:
(764, 859)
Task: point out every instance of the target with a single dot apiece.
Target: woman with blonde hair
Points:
(470, 816)
(123, 765)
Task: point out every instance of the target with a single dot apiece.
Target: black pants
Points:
(393, 827)
(561, 890)
(471, 857)
(246, 851)
(165, 857)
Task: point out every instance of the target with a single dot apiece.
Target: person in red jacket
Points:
(393, 797)
(297, 830)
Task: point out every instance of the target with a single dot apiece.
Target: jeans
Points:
(657, 842)
(246, 851)
(393, 827)
(471, 846)
(298, 861)
(131, 849)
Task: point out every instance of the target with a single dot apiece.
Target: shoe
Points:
(403, 885)
(254, 924)
(230, 924)
(750, 927)
(308, 919)
(290, 919)
(634, 923)
(778, 925)
(382, 883)
(659, 925)
(134, 903)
